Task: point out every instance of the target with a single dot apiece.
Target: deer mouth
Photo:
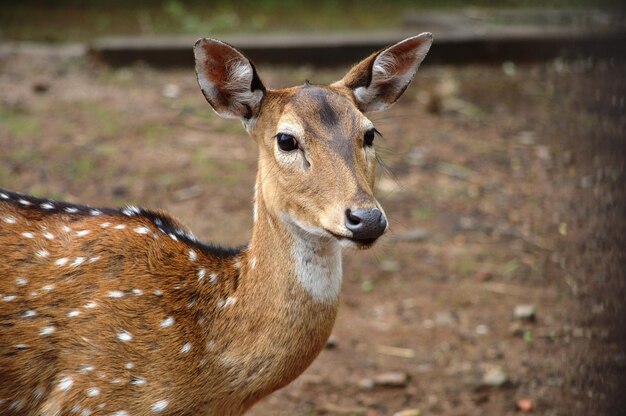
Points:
(363, 243)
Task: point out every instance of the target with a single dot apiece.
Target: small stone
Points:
(444, 319)
(416, 234)
(467, 223)
(586, 181)
(408, 412)
(331, 343)
(527, 138)
(171, 91)
(392, 379)
(366, 383)
(516, 329)
(525, 405)
(495, 377)
(41, 86)
(524, 312)
(389, 266)
(482, 329)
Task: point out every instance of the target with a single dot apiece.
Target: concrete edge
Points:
(340, 49)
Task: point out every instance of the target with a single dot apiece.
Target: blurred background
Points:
(500, 288)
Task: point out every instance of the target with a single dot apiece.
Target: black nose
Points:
(366, 224)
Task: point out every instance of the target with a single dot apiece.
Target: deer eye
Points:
(286, 142)
(368, 137)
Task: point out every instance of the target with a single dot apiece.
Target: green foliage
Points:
(51, 21)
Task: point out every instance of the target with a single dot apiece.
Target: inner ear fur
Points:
(380, 79)
(228, 79)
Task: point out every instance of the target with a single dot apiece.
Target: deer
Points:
(125, 312)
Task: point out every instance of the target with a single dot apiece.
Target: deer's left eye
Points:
(286, 142)
(368, 137)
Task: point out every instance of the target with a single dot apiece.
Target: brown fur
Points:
(124, 312)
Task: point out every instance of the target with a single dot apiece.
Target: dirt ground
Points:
(504, 187)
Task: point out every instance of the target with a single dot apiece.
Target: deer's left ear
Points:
(228, 79)
(379, 80)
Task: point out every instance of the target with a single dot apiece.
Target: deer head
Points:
(317, 158)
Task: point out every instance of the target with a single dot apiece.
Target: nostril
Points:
(353, 219)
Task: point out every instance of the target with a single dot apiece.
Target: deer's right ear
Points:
(227, 79)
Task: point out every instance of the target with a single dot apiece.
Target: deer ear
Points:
(227, 79)
(380, 79)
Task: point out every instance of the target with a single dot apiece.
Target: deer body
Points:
(124, 312)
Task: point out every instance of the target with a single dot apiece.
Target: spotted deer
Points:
(124, 312)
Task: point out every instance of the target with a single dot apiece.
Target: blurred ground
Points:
(505, 187)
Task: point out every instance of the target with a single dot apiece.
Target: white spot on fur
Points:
(71, 210)
(137, 292)
(253, 263)
(130, 211)
(47, 330)
(16, 405)
(186, 348)
(77, 261)
(142, 230)
(42, 253)
(47, 205)
(95, 212)
(237, 265)
(48, 235)
(105, 225)
(93, 392)
(10, 220)
(91, 305)
(120, 413)
(47, 288)
(38, 393)
(223, 303)
(94, 259)
(129, 366)
(167, 322)
(21, 346)
(86, 368)
(192, 255)
(9, 298)
(29, 314)
(124, 336)
(82, 233)
(157, 292)
(72, 314)
(62, 261)
(28, 235)
(159, 406)
(201, 274)
(115, 294)
(21, 281)
(66, 229)
(65, 383)
(138, 381)
(210, 345)
(3, 195)
(120, 226)
(24, 202)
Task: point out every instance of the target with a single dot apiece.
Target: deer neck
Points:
(293, 259)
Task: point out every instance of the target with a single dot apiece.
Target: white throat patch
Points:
(317, 265)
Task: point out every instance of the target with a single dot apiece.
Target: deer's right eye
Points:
(286, 142)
